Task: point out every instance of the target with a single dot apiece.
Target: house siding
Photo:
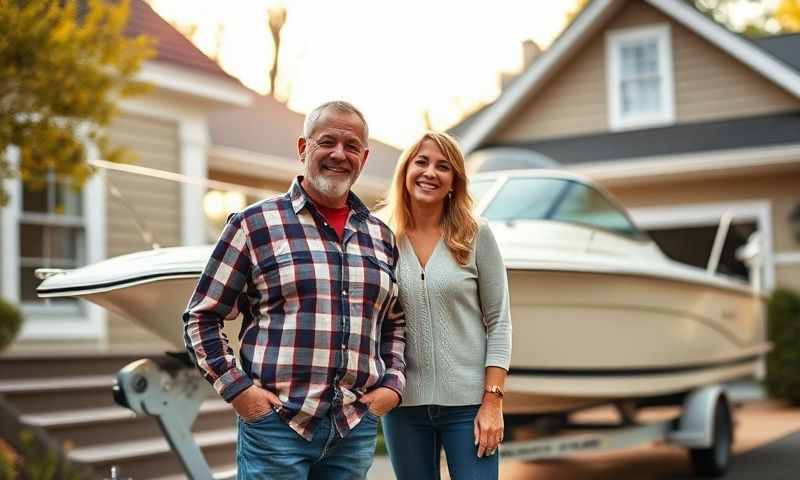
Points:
(788, 276)
(709, 84)
(157, 202)
(779, 189)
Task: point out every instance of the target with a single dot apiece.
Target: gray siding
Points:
(157, 202)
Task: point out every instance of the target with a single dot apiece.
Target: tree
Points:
(64, 65)
(788, 15)
(576, 8)
(722, 11)
(276, 19)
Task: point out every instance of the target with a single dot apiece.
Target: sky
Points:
(395, 60)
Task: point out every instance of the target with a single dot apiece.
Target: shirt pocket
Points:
(373, 287)
(287, 275)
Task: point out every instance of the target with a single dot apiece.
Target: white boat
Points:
(599, 313)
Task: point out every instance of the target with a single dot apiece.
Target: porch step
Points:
(152, 458)
(65, 418)
(118, 451)
(26, 366)
(87, 427)
(66, 393)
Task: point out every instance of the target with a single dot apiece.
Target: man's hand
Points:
(255, 402)
(381, 400)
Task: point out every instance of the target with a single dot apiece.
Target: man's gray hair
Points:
(340, 106)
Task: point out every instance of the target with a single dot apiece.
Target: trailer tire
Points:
(714, 461)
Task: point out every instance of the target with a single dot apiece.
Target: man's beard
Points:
(329, 187)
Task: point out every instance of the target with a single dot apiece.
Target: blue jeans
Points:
(416, 435)
(269, 449)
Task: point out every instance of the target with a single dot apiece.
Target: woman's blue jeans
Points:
(416, 435)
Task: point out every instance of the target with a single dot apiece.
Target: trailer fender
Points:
(696, 424)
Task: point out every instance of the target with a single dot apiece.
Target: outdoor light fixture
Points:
(794, 222)
(217, 205)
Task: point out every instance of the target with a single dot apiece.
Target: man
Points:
(322, 339)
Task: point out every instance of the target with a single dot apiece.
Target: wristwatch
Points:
(495, 390)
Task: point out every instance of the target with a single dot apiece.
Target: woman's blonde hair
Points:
(459, 225)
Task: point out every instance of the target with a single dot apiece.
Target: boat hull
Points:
(589, 335)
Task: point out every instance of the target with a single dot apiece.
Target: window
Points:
(639, 75)
(51, 234)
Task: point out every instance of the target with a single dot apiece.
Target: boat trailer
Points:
(171, 390)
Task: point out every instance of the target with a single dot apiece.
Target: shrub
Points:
(33, 460)
(10, 323)
(783, 362)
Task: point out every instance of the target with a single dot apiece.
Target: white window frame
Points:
(52, 322)
(615, 39)
(705, 214)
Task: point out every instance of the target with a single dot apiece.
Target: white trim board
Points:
(641, 169)
(787, 258)
(193, 148)
(703, 214)
(9, 221)
(205, 86)
(591, 20)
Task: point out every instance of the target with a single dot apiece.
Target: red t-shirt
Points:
(336, 217)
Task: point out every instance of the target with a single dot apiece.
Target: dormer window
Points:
(639, 75)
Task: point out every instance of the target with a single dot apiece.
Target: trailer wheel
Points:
(714, 460)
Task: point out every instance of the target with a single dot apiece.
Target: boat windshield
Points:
(561, 200)
(479, 188)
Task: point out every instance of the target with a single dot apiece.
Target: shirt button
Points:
(344, 292)
(344, 347)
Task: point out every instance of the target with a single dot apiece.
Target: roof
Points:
(171, 46)
(775, 59)
(757, 131)
(270, 128)
(784, 47)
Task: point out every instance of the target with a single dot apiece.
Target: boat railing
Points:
(719, 242)
(749, 254)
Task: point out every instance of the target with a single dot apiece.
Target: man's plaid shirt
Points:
(321, 321)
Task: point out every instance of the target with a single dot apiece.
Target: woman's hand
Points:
(489, 425)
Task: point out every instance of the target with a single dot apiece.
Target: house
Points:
(198, 122)
(678, 117)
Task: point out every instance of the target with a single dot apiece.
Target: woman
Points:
(453, 288)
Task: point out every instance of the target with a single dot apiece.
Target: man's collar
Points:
(300, 198)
